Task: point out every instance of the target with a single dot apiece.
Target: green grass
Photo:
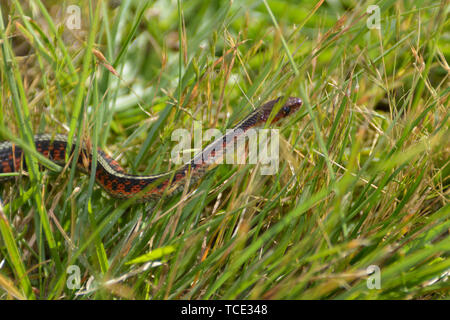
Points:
(364, 171)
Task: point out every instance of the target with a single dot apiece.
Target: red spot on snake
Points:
(17, 162)
(135, 189)
(6, 168)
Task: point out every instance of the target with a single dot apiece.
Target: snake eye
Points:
(286, 110)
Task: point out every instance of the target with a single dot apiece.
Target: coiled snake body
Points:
(113, 178)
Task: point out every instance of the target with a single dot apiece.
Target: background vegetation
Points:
(364, 169)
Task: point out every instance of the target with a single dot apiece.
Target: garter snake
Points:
(113, 178)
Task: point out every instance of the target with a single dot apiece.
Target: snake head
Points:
(291, 105)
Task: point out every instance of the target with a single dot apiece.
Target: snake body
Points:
(113, 178)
